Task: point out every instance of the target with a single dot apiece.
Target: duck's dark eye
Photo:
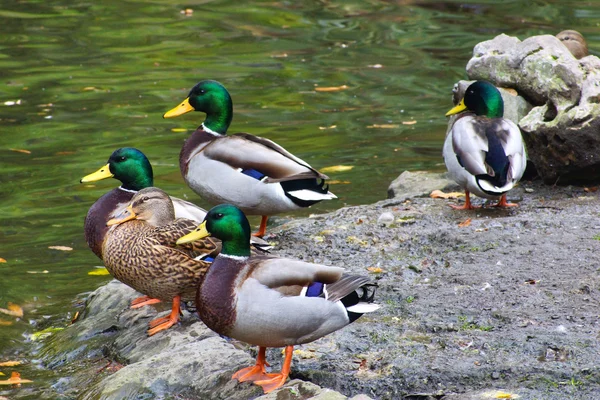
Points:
(145, 198)
(219, 215)
(202, 91)
(122, 158)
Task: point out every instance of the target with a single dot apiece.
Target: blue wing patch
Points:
(209, 259)
(253, 174)
(315, 289)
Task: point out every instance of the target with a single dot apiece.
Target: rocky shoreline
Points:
(506, 303)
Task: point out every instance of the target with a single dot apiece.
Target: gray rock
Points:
(561, 131)
(419, 184)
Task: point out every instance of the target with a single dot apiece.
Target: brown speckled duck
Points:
(575, 42)
(271, 301)
(141, 251)
(132, 168)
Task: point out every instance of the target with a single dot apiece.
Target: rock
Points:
(561, 131)
(419, 184)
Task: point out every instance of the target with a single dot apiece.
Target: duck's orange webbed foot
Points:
(143, 301)
(467, 205)
(163, 323)
(275, 381)
(262, 230)
(256, 372)
(503, 203)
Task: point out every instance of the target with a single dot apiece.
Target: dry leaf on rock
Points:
(10, 363)
(12, 309)
(465, 223)
(438, 194)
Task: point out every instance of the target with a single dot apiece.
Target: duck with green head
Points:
(483, 151)
(269, 301)
(253, 173)
(140, 250)
(132, 168)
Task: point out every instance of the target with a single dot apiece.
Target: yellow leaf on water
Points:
(409, 122)
(438, 194)
(330, 88)
(61, 248)
(21, 151)
(99, 272)
(1, 374)
(338, 182)
(10, 363)
(2, 260)
(383, 126)
(15, 379)
(5, 323)
(44, 333)
(12, 309)
(337, 168)
(178, 130)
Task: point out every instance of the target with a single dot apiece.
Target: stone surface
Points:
(419, 184)
(508, 302)
(562, 130)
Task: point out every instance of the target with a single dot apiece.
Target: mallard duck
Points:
(253, 173)
(141, 251)
(132, 168)
(269, 301)
(484, 153)
(575, 42)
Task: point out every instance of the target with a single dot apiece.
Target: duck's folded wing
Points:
(168, 234)
(248, 152)
(514, 148)
(185, 209)
(470, 144)
(277, 272)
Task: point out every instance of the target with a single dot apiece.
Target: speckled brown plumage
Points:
(147, 258)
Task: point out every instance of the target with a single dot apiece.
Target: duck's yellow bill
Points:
(458, 108)
(199, 233)
(126, 215)
(102, 173)
(183, 108)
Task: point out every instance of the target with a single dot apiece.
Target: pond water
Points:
(80, 79)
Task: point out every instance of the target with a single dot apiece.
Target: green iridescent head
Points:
(211, 98)
(482, 98)
(128, 165)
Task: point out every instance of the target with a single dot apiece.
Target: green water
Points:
(90, 77)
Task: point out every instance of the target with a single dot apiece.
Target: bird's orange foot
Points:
(275, 381)
(502, 203)
(262, 230)
(254, 373)
(143, 301)
(161, 324)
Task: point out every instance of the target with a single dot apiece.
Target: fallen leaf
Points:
(12, 102)
(5, 323)
(504, 395)
(337, 182)
(337, 168)
(409, 122)
(38, 272)
(531, 281)
(375, 270)
(438, 194)
(383, 126)
(511, 91)
(10, 363)
(12, 309)
(375, 66)
(187, 12)
(178, 130)
(330, 88)
(1, 374)
(99, 272)
(64, 153)
(61, 248)
(304, 354)
(15, 379)
(21, 151)
(590, 189)
(43, 334)
(282, 55)
(465, 223)
(2, 260)
(327, 127)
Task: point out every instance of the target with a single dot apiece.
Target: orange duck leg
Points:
(257, 371)
(143, 301)
(163, 323)
(262, 230)
(275, 381)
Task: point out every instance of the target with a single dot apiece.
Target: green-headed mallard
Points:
(255, 174)
(269, 301)
(132, 168)
(483, 151)
(140, 250)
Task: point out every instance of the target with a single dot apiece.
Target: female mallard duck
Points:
(484, 153)
(133, 169)
(253, 173)
(141, 252)
(269, 301)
